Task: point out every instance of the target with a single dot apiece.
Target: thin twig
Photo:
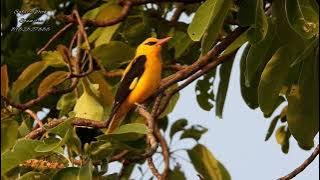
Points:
(34, 116)
(126, 6)
(165, 152)
(38, 99)
(54, 37)
(302, 166)
(177, 13)
(153, 168)
(201, 62)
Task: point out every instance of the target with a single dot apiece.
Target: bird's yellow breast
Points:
(149, 81)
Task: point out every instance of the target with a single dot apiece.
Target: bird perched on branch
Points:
(140, 80)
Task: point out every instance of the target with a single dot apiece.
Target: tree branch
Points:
(54, 37)
(127, 5)
(302, 166)
(201, 62)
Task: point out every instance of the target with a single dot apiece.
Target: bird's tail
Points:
(115, 121)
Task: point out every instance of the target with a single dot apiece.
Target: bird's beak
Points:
(163, 41)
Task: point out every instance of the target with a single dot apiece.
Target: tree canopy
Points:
(68, 57)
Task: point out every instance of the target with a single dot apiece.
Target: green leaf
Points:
(137, 31)
(85, 172)
(51, 81)
(105, 90)
(251, 13)
(53, 58)
(23, 150)
(303, 104)
(272, 126)
(286, 144)
(69, 173)
(281, 135)
(127, 132)
(66, 103)
(249, 94)
(9, 133)
(204, 91)
(177, 126)
(225, 71)
(309, 49)
(224, 172)
(52, 144)
(206, 164)
(111, 55)
(181, 42)
(220, 11)
(259, 54)
(302, 18)
(176, 174)
(195, 132)
(273, 78)
(105, 35)
(243, 38)
(172, 103)
(27, 76)
(34, 176)
(87, 106)
(208, 13)
(64, 130)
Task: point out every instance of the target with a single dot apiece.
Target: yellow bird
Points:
(140, 80)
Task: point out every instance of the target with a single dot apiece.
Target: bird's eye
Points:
(150, 43)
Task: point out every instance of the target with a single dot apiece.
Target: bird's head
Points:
(151, 46)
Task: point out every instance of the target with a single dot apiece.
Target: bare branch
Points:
(54, 37)
(302, 166)
(34, 116)
(153, 168)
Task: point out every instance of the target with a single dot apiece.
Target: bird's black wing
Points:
(136, 70)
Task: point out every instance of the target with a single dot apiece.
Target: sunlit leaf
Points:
(208, 13)
(220, 10)
(9, 133)
(51, 81)
(53, 58)
(22, 151)
(66, 103)
(27, 76)
(87, 106)
(206, 164)
(236, 44)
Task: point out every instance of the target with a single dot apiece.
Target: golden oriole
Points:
(140, 80)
